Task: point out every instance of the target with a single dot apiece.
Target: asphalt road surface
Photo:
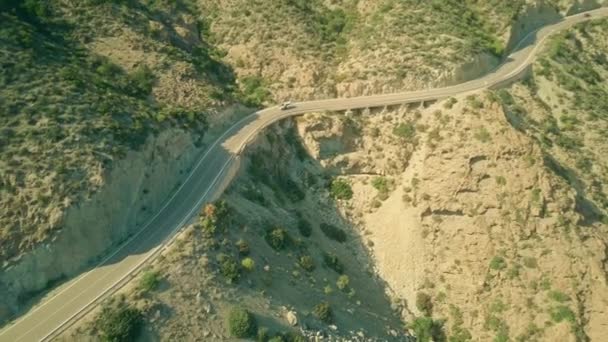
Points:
(68, 303)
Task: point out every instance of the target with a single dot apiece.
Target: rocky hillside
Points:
(313, 49)
(101, 105)
(82, 84)
(486, 215)
(482, 216)
(105, 100)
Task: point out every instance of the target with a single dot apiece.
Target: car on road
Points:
(286, 105)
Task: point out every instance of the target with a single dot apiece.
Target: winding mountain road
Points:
(72, 300)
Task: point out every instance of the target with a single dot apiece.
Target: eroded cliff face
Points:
(459, 207)
(132, 191)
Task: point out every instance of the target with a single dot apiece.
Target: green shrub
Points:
(304, 227)
(562, 313)
(498, 263)
(333, 232)
(149, 280)
(342, 282)
(483, 135)
(248, 264)
(341, 189)
(307, 263)
(228, 267)
(450, 103)
(500, 180)
(141, 80)
(208, 226)
(424, 303)
(530, 262)
(242, 246)
(241, 323)
(323, 312)
(119, 324)
(277, 238)
(474, 102)
(331, 261)
(214, 218)
(381, 184)
(427, 330)
(254, 91)
(405, 130)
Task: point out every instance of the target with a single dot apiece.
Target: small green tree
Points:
(498, 263)
(228, 267)
(343, 282)
(242, 246)
(248, 264)
(307, 263)
(277, 238)
(427, 330)
(323, 312)
(149, 280)
(405, 130)
(340, 189)
(119, 323)
(241, 323)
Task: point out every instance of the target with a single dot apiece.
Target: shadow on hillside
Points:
(589, 211)
(281, 186)
(526, 24)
